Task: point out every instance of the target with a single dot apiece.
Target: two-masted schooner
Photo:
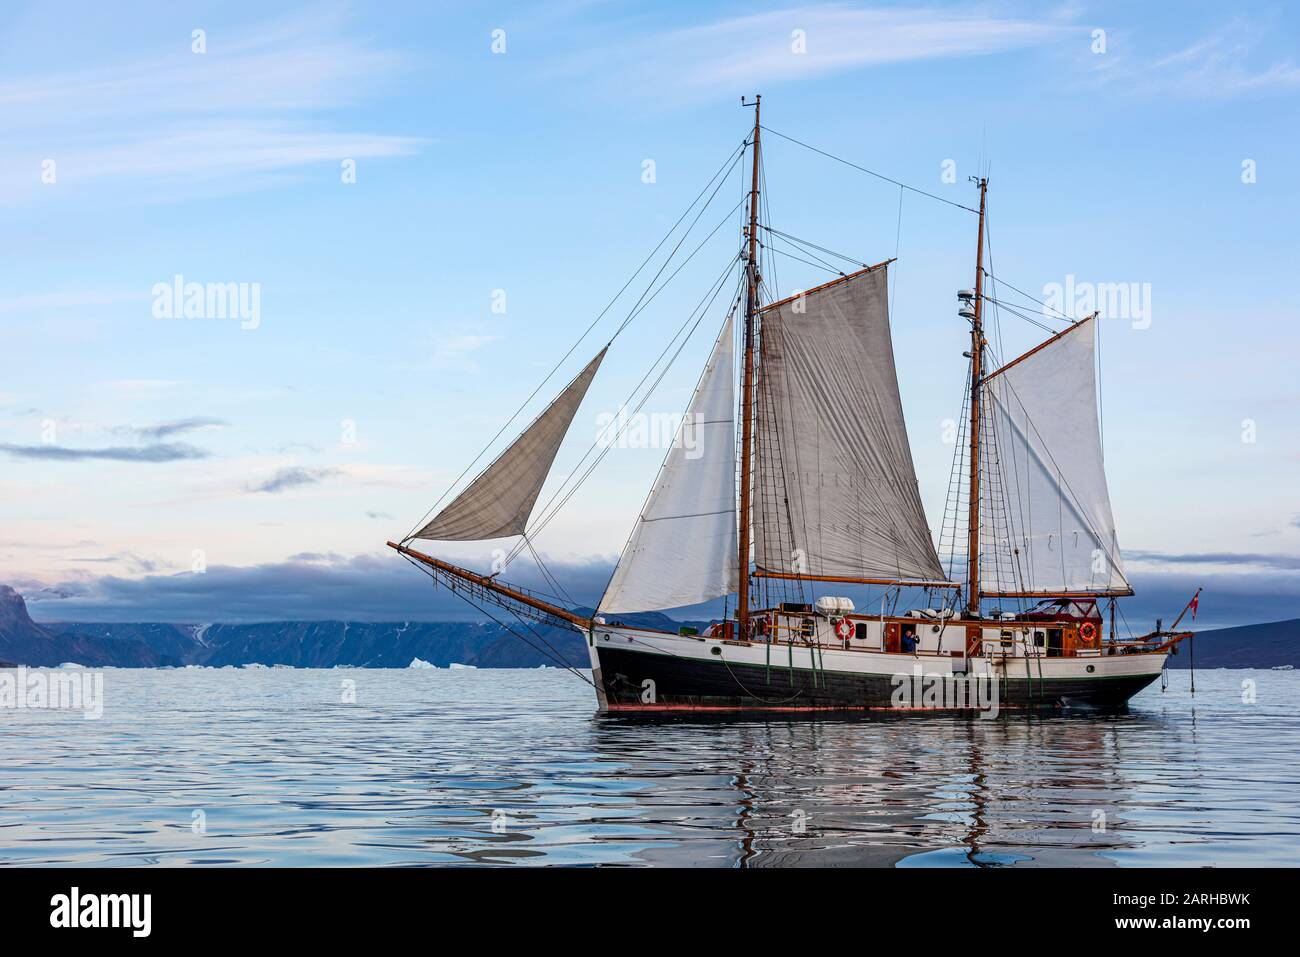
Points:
(805, 481)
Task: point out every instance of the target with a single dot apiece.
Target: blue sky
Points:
(288, 453)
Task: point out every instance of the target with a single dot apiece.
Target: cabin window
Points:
(860, 631)
(1039, 638)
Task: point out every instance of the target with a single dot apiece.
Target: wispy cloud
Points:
(42, 302)
(136, 389)
(164, 430)
(1265, 560)
(1227, 63)
(727, 55)
(255, 102)
(129, 561)
(162, 452)
(48, 545)
(454, 349)
(330, 557)
(293, 477)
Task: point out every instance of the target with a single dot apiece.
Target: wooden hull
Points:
(639, 671)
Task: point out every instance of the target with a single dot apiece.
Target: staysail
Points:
(1047, 508)
(835, 491)
(683, 548)
(498, 503)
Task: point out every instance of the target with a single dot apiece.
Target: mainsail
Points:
(1047, 508)
(835, 492)
(498, 503)
(683, 548)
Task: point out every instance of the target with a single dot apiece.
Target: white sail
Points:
(1046, 524)
(835, 490)
(683, 548)
(499, 501)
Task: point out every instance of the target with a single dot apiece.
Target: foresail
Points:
(683, 548)
(1046, 520)
(498, 503)
(835, 491)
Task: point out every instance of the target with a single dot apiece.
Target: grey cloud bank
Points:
(381, 587)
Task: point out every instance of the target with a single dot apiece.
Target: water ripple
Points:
(513, 767)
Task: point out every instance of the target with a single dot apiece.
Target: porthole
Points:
(716, 650)
(1091, 669)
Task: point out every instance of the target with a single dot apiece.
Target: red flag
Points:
(1196, 601)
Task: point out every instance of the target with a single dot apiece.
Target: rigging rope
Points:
(723, 171)
(871, 172)
(552, 507)
(898, 241)
(817, 265)
(553, 653)
(811, 245)
(1060, 316)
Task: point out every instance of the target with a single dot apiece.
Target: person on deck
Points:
(909, 641)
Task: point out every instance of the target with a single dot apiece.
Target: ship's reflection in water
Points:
(933, 791)
(512, 767)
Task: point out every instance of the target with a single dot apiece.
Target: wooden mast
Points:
(747, 390)
(976, 371)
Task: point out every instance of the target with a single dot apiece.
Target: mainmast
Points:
(976, 374)
(747, 389)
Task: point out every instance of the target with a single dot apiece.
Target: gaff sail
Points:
(835, 491)
(500, 500)
(1052, 511)
(683, 548)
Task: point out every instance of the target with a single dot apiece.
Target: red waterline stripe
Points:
(730, 707)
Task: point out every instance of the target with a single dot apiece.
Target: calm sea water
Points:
(269, 766)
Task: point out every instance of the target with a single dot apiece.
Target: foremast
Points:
(976, 374)
(747, 387)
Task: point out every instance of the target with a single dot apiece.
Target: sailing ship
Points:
(805, 483)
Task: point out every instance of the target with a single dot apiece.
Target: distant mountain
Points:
(324, 644)
(24, 642)
(1248, 646)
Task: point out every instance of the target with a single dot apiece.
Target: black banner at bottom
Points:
(335, 906)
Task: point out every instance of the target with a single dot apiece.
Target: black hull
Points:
(690, 684)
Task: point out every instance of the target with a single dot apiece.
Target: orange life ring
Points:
(1087, 632)
(844, 628)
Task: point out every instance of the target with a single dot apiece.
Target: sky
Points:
(423, 207)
